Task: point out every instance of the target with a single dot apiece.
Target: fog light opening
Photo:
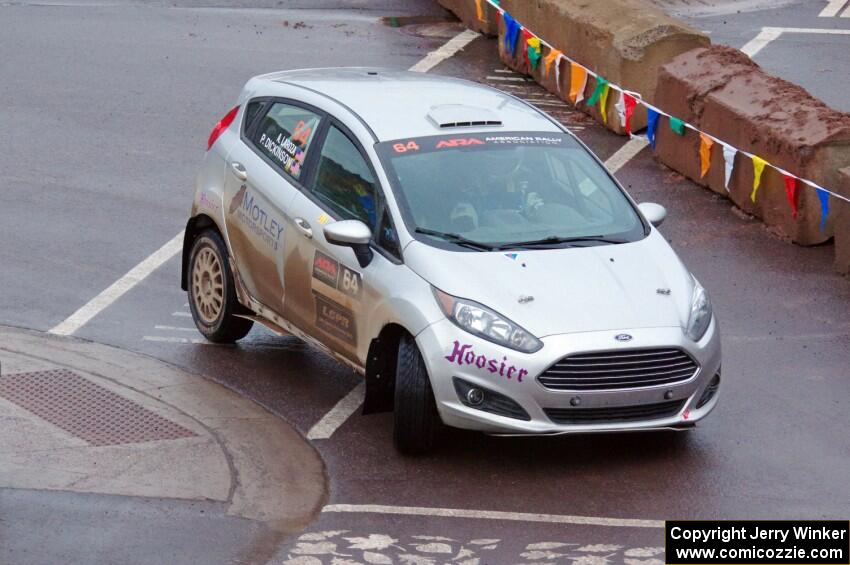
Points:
(475, 396)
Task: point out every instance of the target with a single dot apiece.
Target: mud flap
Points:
(380, 378)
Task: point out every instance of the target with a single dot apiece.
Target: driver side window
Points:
(344, 181)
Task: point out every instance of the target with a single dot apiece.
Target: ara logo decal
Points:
(464, 355)
(459, 142)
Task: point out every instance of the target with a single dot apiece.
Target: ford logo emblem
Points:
(623, 337)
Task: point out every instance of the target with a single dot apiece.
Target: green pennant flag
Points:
(601, 83)
(677, 125)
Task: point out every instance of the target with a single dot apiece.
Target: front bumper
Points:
(446, 348)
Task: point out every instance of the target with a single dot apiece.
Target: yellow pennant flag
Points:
(603, 104)
(705, 144)
(758, 169)
(578, 82)
(480, 10)
(551, 58)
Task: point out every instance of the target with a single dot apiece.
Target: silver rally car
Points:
(459, 248)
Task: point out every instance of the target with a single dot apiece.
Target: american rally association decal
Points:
(464, 355)
(335, 320)
(250, 212)
(337, 276)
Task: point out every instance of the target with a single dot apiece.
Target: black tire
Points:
(415, 417)
(219, 325)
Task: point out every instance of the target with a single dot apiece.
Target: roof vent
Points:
(459, 115)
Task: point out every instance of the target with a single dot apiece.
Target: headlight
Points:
(700, 316)
(486, 324)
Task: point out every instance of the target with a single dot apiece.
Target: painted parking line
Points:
(833, 7)
(449, 49)
(491, 515)
(119, 288)
(769, 34)
(342, 411)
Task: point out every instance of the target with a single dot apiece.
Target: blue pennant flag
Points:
(824, 207)
(651, 125)
(512, 29)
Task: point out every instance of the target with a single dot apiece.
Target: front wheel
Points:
(415, 417)
(212, 293)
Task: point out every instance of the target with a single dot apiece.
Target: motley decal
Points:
(250, 212)
(464, 355)
(335, 320)
(337, 276)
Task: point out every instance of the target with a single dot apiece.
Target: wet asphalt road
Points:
(106, 110)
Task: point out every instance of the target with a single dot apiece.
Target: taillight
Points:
(222, 125)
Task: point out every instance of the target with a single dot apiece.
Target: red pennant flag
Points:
(791, 193)
(629, 102)
(526, 35)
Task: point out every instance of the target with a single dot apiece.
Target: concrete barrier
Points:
(625, 41)
(724, 93)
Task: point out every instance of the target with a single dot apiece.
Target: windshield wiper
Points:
(556, 240)
(457, 239)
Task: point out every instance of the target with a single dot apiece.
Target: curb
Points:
(230, 450)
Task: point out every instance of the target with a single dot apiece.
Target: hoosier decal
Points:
(464, 355)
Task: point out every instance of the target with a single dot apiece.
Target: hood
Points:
(607, 287)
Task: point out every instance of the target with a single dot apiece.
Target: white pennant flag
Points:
(558, 71)
(621, 109)
(729, 157)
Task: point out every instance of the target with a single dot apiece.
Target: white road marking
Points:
(119, 288)
(449, 49)
(182, 314)
(165, 339)
(832, 8)
(508, 79)
(768, 34)
(759, 42)
(625, 153)
(175, 328)
(324, 428)
(491, 515)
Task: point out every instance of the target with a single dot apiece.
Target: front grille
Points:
(614, 413)
(634, 368)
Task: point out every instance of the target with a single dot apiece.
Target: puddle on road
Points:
(433, 27)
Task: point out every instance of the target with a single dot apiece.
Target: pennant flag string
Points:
(677, 125)
(578, 82)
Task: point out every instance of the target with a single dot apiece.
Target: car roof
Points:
(404, 104)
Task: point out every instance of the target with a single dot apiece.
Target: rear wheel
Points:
(415, 414)
(212, 293)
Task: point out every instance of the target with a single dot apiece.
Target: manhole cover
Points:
(87, 410)
(426, 26)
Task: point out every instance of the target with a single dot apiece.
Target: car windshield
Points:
(481, 192)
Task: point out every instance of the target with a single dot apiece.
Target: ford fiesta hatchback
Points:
(460, 249)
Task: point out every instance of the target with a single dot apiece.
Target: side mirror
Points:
(655, 213)
(354, 234)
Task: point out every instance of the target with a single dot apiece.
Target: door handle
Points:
(303, 227)
(239, 170)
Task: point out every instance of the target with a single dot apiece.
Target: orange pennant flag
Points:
(578, 82)
(480, 11)
(551, 58)
(705, 144)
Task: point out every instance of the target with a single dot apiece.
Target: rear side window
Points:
(344, 181)
(284, 135)
(251, 112)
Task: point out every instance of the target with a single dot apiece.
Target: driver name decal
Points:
(465, 355)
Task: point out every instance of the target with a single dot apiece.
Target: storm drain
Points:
(87, 410)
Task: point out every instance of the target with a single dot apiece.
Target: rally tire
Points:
(212, 293)
(415, 417)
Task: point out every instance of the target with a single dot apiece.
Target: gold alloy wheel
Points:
(208, 285)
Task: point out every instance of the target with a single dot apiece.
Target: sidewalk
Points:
(108, 456)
